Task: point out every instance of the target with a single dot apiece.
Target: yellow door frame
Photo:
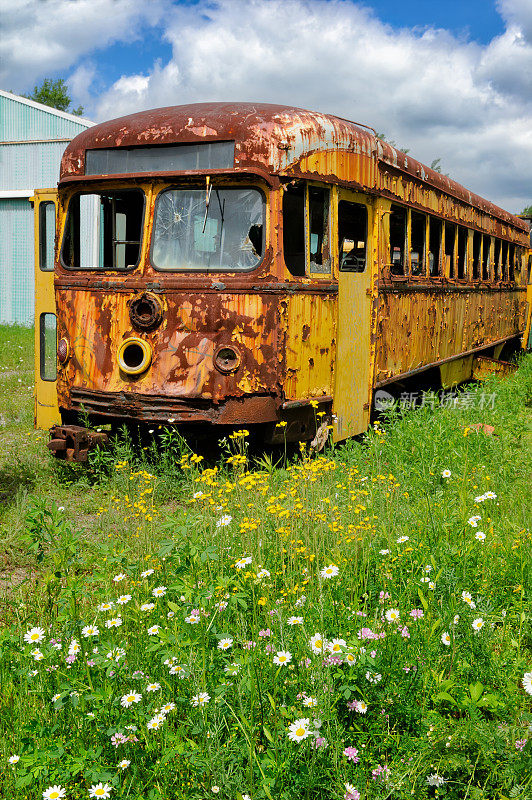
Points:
(46, 407)
(353, 367)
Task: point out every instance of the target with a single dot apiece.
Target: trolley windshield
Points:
(214, 229)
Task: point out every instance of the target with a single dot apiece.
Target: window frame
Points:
(104, 190)
(365, 206)
(203, 271)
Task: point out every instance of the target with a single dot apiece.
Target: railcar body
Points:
(235, 264)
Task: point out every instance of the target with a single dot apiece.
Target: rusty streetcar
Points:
(235, 264)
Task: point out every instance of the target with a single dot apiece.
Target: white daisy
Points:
(147, 607)
(446, 639)
(330, 572)
(146, 573)
(299, 730)
(225, 644)
(120, 577)
(294, 621)
(243, 562)
(54, 793)
(34, 636)
(159, 591)
(473, 521)
(477, 624)
(263, 573)
(153, 687)
(130, 698)
(283, 657)
(89, 630)
(480, 536)
(124, 763)
(336, 645)
(100, 790)
(113, 623)
(223, 521)
(446, 473)
(13, 759)
(316, 643)
(123, 599)
(154, 630)
(527, 682)
(403, 539)
(393, 614)
(200, 699)
(107, 606)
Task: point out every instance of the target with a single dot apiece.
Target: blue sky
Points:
(449, 80)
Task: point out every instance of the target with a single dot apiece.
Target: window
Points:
(434, 246)
(318, 209)
(311, 204)
(46, 236)
(461, 264)
(477, 241)
(512, 261)
(450, 236)
(294, 229)
(496, 259)
(219, 229)
(397, 240)
(417, 243)
(486, 247)
(504, 261)
(352, 236)
(48, 347)
(160, 158)
(103, 230)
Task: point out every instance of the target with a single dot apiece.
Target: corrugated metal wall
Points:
(26, 163)
(16, 261)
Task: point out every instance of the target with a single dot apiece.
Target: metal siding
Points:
(16, 262)
(30, 166)
(19, 121)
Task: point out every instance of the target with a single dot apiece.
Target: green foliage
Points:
(54, 93)
(189, 555)
(527, 211)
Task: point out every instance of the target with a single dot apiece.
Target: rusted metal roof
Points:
(268, 138)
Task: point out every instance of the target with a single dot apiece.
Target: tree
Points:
(55, 94)
(384, 138)
(527, 211)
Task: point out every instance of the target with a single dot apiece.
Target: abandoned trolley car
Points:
(235, 264)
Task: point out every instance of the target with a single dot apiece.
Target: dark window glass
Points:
(46, 236)
(352, 236)
(319, 248)
(477, 241)
(512, 261)
(103, 230)
(417, 243)
(450, 235)
(162, 158)
(434, 245)
(461, 263)
(222, 230)
(486, 246)
(504, 261)
(294, 229)
(48, 347)
(397, 240)
(496, 260)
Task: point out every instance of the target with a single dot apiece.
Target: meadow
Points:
(348, 624)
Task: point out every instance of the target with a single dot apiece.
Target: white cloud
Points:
(40, 37)
(439, 95)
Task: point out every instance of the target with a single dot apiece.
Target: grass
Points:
(351, 623)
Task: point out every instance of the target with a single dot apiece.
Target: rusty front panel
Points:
(308, 322)
(421, 327)
(194, 326)
(484, 367)
(353, 168)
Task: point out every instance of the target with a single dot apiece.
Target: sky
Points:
(448, 79)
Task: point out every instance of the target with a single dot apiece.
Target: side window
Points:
(103, 230)
(512, 262)
(294, 229)
(450, 235)
(477, 241)
(486, 246)
(46, 236)
(504, 260)
(397, 240)
(496, 260)
(461, 264)
(319, 240)
(48, 347)
(434, 246)
(352, 236)
(417, 243)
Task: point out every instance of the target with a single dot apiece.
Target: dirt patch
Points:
(10, 579)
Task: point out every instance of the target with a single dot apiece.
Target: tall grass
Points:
(355, 623)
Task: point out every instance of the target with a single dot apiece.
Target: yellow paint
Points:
(353, 369)
(454, 372)
(46, 407)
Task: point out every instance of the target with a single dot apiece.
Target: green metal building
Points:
(33, 138)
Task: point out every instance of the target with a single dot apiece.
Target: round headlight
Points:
(134, 356)
(146, 311)
(227, 359)
(63, 350)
